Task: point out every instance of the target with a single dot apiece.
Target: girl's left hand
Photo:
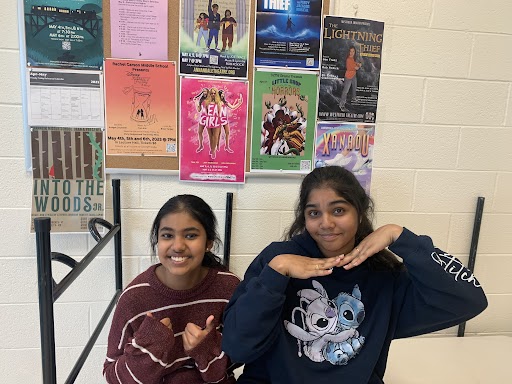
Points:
(193, 334)
(372, 244)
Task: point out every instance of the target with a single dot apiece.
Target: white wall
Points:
(444, 137)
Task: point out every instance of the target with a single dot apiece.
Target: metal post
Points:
(42, 226)
(116, 198)
(472, 250)
(227, 228)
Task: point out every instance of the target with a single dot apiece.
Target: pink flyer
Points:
(213, 130)
(139, 29)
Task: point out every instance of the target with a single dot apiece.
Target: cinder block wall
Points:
(444, 137)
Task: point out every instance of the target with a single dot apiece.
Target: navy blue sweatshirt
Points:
(338, 328)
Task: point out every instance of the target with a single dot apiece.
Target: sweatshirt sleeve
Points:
(252, 316)
(436, 291)
(140, 356)
(212, 363)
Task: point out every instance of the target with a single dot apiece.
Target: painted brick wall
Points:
(443, 138)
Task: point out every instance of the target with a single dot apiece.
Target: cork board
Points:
(149, 163)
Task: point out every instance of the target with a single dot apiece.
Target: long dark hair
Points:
(355, 52)
(201, 212)
(345, 185)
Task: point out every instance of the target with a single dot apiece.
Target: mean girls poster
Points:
(213, 130)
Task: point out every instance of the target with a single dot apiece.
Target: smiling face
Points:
(182, 243)
(331, 221)
(351, 52)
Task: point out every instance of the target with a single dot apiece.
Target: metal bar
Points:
(116, 201)
(42, 226)
(88, 347)
(472, 250)
(227, 228)
(80, 267)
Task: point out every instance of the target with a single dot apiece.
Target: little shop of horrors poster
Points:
(347, 145)
(350, 70)
(284, 109)
(213, 130)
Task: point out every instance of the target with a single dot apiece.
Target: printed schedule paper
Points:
(65, 98)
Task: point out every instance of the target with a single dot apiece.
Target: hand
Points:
(193, 334)
(165, 321)
(302, 267)
(372, 244)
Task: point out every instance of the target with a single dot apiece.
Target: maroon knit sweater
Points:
(143, 350)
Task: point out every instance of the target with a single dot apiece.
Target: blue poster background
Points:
(288, 33)
(64, 33)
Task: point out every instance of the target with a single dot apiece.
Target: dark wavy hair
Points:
(201, 212)
(345, 185)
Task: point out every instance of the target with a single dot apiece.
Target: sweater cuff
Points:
(403, 244)
(273, 280)
(208, 349)
(152, 331)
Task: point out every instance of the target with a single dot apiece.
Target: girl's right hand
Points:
(303, 267)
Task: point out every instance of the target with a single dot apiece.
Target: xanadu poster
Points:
(347, 145)
(213, 130)
(350, 73)
(214, 37)
(288, 33)
(64, 33)
(284, 110)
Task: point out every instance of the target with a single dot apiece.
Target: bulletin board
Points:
(154, 163)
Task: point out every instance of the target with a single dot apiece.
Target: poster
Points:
(288, 33)
(284, 110)
(350, 73)
(139, 29)
(214, 38)
(348, 145)
(68, 177)
(140, 101)
(213, 130)
(64, 98)
(64, 33)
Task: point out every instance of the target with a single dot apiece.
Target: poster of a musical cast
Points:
(68, 177)
(350, 70)
(214, 37)
(213, 130)
(140, 106)
(288, 33)
(64, 33)
(284, 110)
(347, 145)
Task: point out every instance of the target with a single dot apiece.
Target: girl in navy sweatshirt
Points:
(324, 306)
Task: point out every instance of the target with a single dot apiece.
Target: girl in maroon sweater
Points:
(167, 323)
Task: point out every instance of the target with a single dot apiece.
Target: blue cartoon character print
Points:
(350, 316)
(326, 329)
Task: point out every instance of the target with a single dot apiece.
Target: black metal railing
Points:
(49, 291)
(472, 250)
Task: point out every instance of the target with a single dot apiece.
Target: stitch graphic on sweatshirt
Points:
(454, 267)
(326, 329)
